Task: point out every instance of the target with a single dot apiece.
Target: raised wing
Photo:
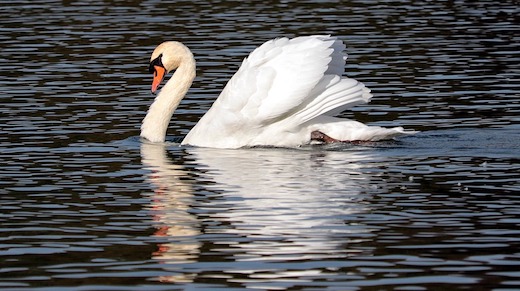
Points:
(277, 78)
(281, 86)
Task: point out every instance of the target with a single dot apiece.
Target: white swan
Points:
(286, 93)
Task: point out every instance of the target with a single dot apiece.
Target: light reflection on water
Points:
(327, 211)
(86, 205)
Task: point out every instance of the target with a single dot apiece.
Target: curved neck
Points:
(157, 119)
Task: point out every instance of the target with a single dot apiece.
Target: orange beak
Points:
(158, 76)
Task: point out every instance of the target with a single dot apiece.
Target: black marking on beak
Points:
(156, 62)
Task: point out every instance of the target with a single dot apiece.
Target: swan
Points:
(285, 94)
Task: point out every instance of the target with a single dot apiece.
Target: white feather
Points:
(282, 92)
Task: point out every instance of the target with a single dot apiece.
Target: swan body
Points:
(286, 93)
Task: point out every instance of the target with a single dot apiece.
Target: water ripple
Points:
(87, 206)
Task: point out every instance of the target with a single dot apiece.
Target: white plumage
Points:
(283, 92)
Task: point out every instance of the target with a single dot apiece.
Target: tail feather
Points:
(351, 130)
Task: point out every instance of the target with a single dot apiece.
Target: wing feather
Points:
(332, 96)
(282, 85)
(277, 78)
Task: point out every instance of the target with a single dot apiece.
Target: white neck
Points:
(157, 119)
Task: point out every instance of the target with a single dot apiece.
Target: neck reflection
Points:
(170, 208)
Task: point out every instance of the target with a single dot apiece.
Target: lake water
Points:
(85, 205)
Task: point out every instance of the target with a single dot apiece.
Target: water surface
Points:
(85, 205)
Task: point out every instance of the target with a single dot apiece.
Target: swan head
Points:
(167, 57)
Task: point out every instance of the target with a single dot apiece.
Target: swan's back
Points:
(284, 88)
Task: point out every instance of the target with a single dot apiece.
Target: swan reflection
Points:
(263, 205)
(285, 204)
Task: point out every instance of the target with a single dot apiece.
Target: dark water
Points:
(86, 206)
